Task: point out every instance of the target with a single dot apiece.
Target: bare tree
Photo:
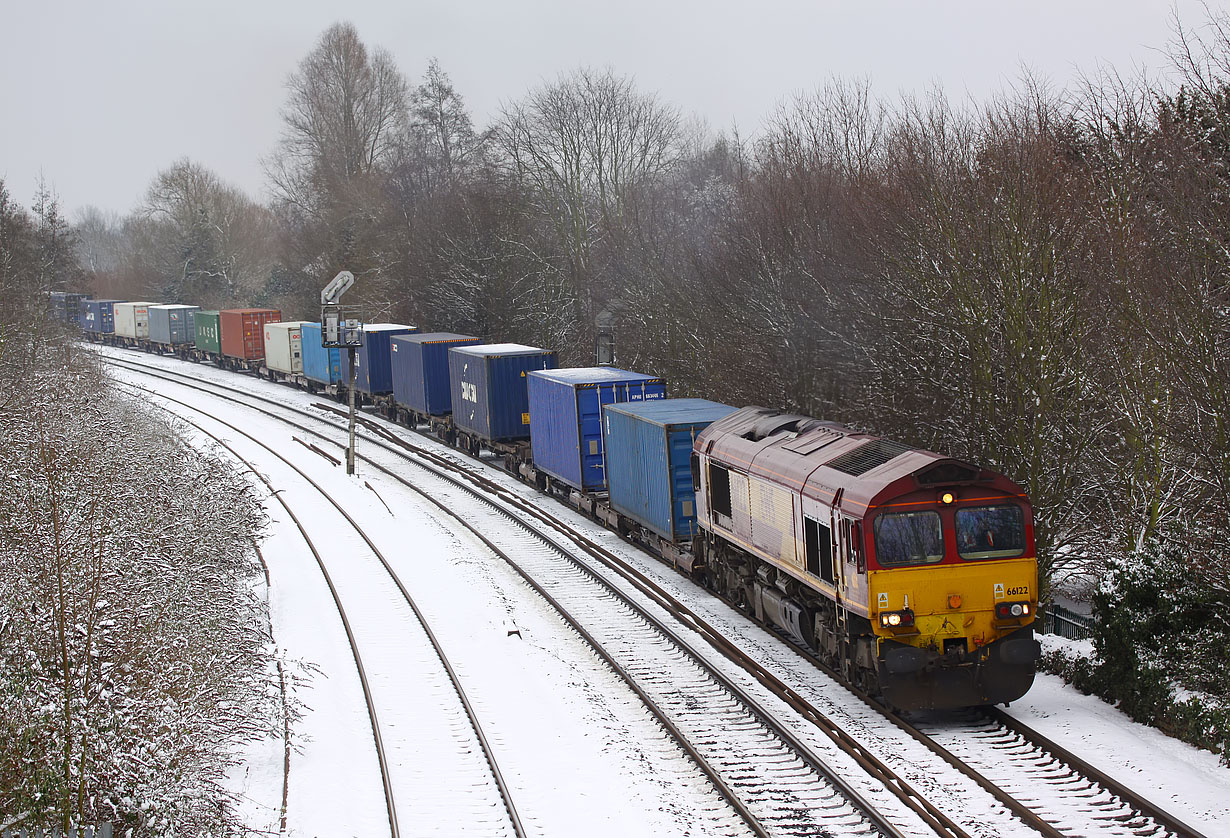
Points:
(579, 150)
(346, 119)
(442, 128)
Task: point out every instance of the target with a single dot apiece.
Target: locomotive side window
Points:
(904, 538)
(990, 532)
(719, 490)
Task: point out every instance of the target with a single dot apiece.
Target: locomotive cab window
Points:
(990, 532)
(719, 490)
(906, 538)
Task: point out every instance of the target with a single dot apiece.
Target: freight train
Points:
(911, 573)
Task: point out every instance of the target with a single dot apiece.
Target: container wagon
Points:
(243, 336)
(373, 371)
(207, 328)
(649, 470)
(172, 327)
(131, 322)
(490, 405)
(419, 366)
(284, 350)
(322, 368)
(67, 306)
(565, 407)
(99, 318)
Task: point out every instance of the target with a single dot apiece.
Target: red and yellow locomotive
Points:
(911, 572)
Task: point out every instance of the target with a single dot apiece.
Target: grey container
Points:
(649, 461)
(566, 418)
(172, 324)
(488, 385)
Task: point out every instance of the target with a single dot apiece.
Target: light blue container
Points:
(649, 461)
(321, 365)
(566, 418)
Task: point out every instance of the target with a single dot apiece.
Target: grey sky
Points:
(100, 95)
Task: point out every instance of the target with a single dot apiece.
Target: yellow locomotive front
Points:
(952, 594)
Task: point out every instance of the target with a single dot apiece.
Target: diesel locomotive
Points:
(912, 573)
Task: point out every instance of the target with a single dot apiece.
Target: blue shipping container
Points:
(172, 324)
(649, 461)
(420, 370)
(488, 384)
(321, 365)
(99, 316)
(373, 373)
(566, 418)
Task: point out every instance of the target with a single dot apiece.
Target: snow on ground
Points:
(580, 752)
(546, 684)
(1189, 782)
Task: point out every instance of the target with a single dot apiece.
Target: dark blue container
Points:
(420, 370)
(649, 461)
(67, 306)
(373, 371)
(488, 384)
(566, 418)
(99, 316)
(321, 365)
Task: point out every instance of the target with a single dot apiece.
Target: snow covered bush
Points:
(134, 651)
(1160, 642)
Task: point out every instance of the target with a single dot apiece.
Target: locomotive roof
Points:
(824, 459)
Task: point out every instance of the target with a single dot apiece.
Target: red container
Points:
(243, 331)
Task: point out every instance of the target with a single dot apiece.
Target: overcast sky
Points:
(98, 96)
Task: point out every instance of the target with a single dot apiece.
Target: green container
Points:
(208, 331)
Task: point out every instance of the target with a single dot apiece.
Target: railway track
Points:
(514, 819)
(1095, 803)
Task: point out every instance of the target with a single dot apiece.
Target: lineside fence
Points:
(1066, 623)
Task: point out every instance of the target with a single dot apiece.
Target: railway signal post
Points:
(341, 328)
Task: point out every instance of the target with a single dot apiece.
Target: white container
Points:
(284, 346)
(132, 320)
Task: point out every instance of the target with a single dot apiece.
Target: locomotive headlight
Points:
(947, 498)
(897, 619)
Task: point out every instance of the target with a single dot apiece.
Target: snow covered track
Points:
(1077, 799)
(479, 814)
